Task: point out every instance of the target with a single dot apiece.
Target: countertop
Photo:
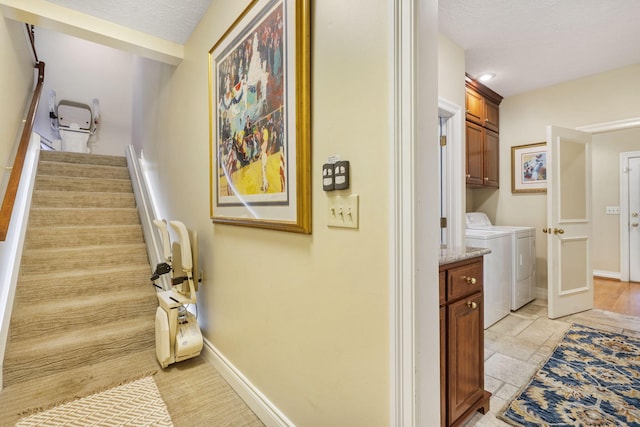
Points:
(451, 255)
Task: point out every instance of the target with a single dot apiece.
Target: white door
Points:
(569, 222)
(634, 219)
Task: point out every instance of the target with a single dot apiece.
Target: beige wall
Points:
(595, 99)
(304, 317)
(606, 151)
(16, 81)
(451, 64)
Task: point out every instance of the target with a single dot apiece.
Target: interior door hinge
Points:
(443, 141)
(443, 222)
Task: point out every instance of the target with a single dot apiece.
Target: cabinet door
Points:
(491, 115)
(443, 366)
(474, 138)
(491, 159)
(475, 106)
(465, 361)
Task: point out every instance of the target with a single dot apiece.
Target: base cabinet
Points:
(462, 342)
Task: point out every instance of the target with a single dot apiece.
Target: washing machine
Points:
(523, 257)
(497, 271)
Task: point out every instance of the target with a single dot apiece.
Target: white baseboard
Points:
(607, 274)
(258, 402)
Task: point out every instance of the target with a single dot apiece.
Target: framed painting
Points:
(529, 168)
(259, 98)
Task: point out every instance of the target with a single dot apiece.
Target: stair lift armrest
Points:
(164, 235)
(185, 245)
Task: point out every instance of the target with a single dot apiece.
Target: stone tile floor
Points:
(517, 345)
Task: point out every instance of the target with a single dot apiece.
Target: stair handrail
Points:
(16, 170)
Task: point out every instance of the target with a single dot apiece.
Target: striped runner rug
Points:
(137, 403)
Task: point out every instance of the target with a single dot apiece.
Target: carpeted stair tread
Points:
(52, 286)
(64, 183)
(82, 199)
(79, 170)
(91, 159)
(84, 294)
(60, 259)
(45, 318)
(85, 216)
(74, 236)
(43, 356)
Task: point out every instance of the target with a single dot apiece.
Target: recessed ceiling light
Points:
(486, 77)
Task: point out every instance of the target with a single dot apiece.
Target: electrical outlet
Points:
(342, 211)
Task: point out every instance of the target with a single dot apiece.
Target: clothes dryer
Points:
(523, 257)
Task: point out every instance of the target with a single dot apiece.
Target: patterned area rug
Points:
(137, 403)
(591, 379)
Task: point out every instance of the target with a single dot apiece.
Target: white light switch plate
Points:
(612, 210)
(342, 211)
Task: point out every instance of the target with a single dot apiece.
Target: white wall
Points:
(79, 70)
(304, 317)
(591, 100)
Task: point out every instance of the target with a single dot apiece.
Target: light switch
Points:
(612, 210)
(342, 211)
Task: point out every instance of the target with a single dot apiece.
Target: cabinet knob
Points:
(486, 178)
(472, 305)
(469, 280)
(468, 175)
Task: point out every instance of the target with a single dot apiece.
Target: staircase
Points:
(83, 295)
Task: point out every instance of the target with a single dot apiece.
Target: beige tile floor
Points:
(517, 345)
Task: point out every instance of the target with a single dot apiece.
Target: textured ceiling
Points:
(531, 44)
(528, 44)
(172, 20)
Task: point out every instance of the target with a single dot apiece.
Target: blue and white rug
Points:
(591, 379)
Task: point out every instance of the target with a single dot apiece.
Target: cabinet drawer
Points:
(464, 280)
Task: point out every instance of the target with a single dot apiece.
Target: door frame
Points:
(624, 213)
(454, 172)
(414, 331)
(629, 123)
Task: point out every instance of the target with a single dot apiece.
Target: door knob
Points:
(558, 231)
(472, 305)
(545, 230)
(634, 215)
(634, 224)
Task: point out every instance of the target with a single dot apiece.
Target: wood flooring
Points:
(616, 296)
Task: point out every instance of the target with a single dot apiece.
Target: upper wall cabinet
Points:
(482, 138)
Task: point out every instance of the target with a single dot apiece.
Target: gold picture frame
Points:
(259, 130)
(529, 168)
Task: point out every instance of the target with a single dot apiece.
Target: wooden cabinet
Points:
(482, 138)
(462, 342)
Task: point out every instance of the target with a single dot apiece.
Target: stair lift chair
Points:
(178, 335)
(74, 123)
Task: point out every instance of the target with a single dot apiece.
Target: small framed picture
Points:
(529, 168)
